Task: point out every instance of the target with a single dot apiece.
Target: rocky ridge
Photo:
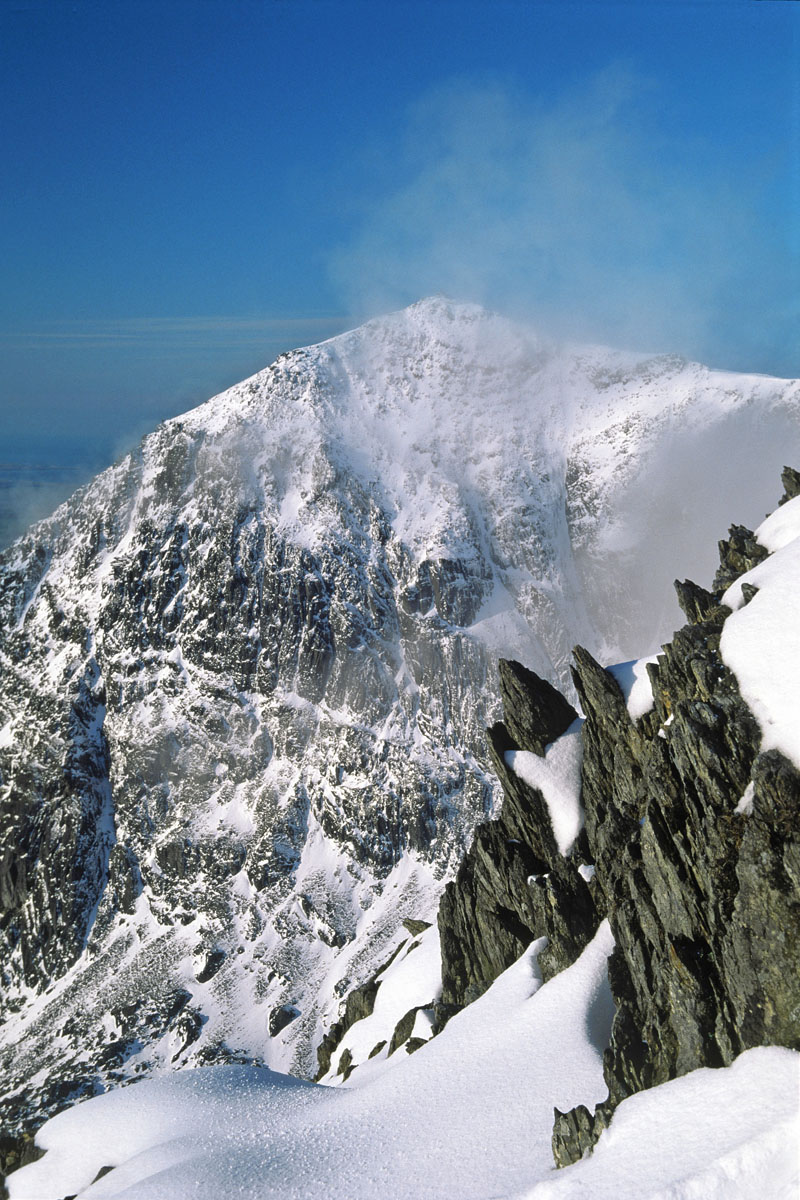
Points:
(702, 891)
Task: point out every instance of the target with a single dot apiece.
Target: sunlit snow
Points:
(761, 639)
(557, 776)
(413, 979)
(468, 1116)
(731, 1134)
(635, 684)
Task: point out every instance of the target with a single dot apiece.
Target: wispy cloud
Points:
(30, 492)
(579, 214)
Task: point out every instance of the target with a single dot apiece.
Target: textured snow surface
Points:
(557, 775)
(729, 1134)
(468, 1116)
(761, 639)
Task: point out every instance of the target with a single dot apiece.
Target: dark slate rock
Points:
(404, 1027)
(696, 602)
(703, 900)
(16, 1151)
(414, 927)
(703, 897)
(791, 484)
(739, 553)
(360, 1003)
(281, 1016)
(575, 1133)
(213, 962)
(535, 712)
(346, 1064)
(513, 886)
(415, 1043)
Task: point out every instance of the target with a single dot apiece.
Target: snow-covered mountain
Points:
(680, 954)
(246, 673)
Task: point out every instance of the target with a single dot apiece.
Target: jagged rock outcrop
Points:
(703, 893)
(694, 836)
(737, 554)
(514, 885)
(790, 478)
(360, 1003)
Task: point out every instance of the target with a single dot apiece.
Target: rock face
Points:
(694, 837)
(703, 891)
(513, 885)
(245, 676)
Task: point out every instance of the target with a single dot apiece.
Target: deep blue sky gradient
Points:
(191, 187)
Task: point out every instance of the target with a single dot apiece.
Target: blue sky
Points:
(191, 187)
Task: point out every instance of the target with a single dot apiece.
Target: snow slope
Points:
(468, 1117)
(728, 1134)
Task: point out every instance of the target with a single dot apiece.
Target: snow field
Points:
(728, 1134)
(468, 1116)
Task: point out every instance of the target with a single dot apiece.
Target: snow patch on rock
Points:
(557, 776)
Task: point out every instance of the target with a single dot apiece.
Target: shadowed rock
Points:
(513, 885)
(696, 602)
(791, 484)
(535, 712)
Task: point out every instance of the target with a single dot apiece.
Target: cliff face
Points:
(514, 886)
(693, 835)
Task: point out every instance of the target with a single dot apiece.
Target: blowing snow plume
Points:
(581, 216)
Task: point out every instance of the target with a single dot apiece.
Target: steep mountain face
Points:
(246, 672)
